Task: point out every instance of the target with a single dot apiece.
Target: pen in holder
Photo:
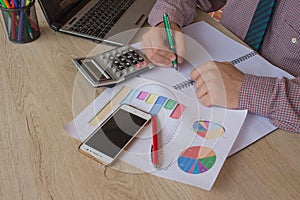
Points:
(20, 20)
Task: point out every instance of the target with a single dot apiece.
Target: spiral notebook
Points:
(212, 44)
(190, 82)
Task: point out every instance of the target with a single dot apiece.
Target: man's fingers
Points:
(180, 44)
(195, 74)
(159, 60)
(201, 89)
(155, 46)
(206, 100)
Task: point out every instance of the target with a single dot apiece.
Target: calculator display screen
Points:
(95, 71)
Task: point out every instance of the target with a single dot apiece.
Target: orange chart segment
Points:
(208, 129)
(190, 162)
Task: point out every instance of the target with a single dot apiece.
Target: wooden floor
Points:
(41, 91)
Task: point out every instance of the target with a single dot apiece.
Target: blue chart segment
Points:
(158, 105)
(196, 160)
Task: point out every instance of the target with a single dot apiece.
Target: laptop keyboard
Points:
(101, 18)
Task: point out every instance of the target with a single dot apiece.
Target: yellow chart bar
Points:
(151, 98)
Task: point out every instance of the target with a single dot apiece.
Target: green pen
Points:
(170, 39)
(28, 26)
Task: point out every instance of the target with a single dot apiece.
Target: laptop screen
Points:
(54, 8)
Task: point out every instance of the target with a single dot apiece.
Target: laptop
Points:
(98, 20)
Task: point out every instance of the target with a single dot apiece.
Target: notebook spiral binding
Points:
(189, 82)
(183, 84)
(243, 58)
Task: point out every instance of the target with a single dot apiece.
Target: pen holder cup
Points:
(21, 23)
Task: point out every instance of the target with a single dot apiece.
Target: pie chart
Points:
(196, 160)
(208, 129)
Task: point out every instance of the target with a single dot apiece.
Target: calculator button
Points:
(135, 55)
(127, 64)
(140, 59)
(123, 60)
(131, 69)
(133, 62)
(124, 71)
(130, 51)
(109, 65)
(138, 66)
(118, 55)
(116, 62)
(144, 63)
(111, 57)
(118, 74)
(105, 60)
(114, 69)
(121, 67)
(129, 57)
(123, 48)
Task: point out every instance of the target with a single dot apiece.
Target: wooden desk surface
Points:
(40, 90)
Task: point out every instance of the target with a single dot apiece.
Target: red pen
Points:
(154, 150)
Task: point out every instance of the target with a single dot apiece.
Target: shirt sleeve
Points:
(277, 99)
(180, 11)
(211, 5)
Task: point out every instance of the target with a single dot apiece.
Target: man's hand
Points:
(218, 83)
(155, 45)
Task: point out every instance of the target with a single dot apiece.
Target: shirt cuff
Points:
(156, 16)
(256, 93)
(180, 12)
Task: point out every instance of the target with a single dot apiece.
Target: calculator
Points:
(113, 66)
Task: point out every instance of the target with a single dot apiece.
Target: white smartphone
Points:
(114, 134)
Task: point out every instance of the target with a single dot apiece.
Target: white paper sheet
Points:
(176, 135)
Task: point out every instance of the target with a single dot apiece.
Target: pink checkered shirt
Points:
(277, 99)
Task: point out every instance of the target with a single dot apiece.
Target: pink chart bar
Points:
(177, 112)
(142, 95)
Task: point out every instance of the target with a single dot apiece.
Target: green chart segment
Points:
(196, 160)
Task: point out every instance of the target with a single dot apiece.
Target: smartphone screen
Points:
(116, 132)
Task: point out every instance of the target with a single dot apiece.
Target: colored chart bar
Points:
(151, 99)
(143, 95)
(170, 104)
(158, 105)
(177, 112)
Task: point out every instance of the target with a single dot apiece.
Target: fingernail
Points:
(172, 58)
